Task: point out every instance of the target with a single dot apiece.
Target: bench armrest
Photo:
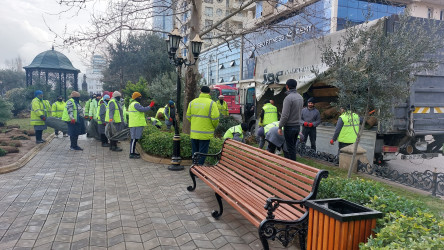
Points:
(197, 156)
(273, 203)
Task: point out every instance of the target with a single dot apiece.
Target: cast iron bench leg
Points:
(217, 214)
(193, 177)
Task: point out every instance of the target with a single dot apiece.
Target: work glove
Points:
(43, 117)
(110, 120)
(305, 124)
(171, 119)
(90, 118)
(332, 142)
(152, 104)
(310, 124)
(73, 121)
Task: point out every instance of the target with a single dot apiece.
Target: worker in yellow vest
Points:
(57, 111)
(268, 115)
(160, 114)
(93, 106)
(237, 132)
(170, 114)
(222, 106)
(203, 115)
(100, 118)
(73, 115)
(39, 112)
(347, 129)
(137, 121)
(114, 114)
(155, 122)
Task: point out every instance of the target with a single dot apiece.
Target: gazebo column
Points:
(76, 84)
(64, 83)
(60, 84)
(46, 75)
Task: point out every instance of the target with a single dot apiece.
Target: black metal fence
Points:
(428, 181)
(305, 151)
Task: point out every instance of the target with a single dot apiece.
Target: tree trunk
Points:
(191, 72)
(355, 149)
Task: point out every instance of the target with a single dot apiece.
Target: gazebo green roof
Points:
(51, 59)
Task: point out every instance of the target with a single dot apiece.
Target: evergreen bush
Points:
(5, 111)
(160, 143)
(2, 152)
(407, 224)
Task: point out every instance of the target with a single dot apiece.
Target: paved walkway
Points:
(96, 199)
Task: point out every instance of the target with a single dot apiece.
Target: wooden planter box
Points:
(339, 224)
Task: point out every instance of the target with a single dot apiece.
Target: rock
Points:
(10, 149)
(330, 113)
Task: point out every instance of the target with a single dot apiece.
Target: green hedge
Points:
(407, 223)
(160, 143)
(2, 152)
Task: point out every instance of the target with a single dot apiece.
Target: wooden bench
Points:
(267, 189)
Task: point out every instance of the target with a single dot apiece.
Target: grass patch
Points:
(435, 204)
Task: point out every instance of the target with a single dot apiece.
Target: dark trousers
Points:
(343, 145)
(291, 136)
(133, 146)
(271, 147)
(38, 135)
(310, 132)
(200, 146)
(74, 139)
(103, 138)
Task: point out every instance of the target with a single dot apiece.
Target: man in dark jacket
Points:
(291, 117)
(311, 118)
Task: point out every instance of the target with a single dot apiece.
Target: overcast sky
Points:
(24, 34)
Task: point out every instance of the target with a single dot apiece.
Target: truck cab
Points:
(230, 94)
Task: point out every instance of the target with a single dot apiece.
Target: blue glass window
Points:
(258, 9)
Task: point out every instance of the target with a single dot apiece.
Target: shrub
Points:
(422, 231)
(160, 143)
(225, 122)
(2, 152)
(407, 223)
(18, 99)
(5, 111)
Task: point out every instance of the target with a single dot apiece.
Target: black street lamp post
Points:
(177, 60)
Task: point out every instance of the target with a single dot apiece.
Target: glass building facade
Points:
(353, 12)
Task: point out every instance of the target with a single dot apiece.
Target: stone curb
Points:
(158, 160)
(27, 157)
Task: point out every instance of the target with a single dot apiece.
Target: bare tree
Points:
(131, 16)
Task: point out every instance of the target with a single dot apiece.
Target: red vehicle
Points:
(230, 96)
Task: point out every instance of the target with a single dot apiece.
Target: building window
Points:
(221, 66)
(208, 23)
(221, 80)
(208, 11)
(208, 1)
(233, 63)
(430, 13)
(441, 15)
(233, 78)
(219, 12)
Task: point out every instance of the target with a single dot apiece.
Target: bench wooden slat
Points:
(287, 213)
(266, 181)
(290, 187)
(296, 166)
(266, 162)
(229, 200)
(231, 182)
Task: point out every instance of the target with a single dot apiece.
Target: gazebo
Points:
(54, 62)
